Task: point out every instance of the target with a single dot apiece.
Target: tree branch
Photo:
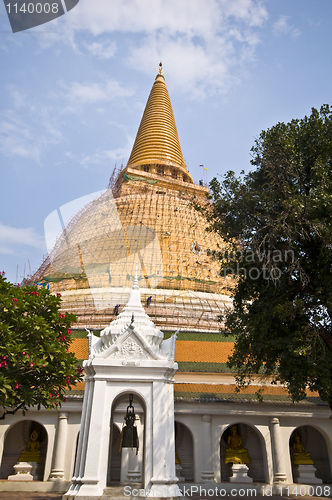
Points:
(11, 412)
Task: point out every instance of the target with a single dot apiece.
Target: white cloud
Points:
(192, 68)
(205, 18)
(101, 50)
(10, 237)
(213, 40)
(19, 98)
(95, 92)
(146, 16)
(104, 157)
(252, 13)
(27, 129)
(27, 137)
(17, 137)
(282, 27)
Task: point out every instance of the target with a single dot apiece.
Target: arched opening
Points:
(126, 465)
(114, 470)
(250, 441)
(16, 441)
(185, 451)
(313, 444)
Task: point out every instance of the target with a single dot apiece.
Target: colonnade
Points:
(204, 444)
(273, 440)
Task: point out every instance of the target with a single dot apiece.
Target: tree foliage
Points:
(276, 221)
(36, 368)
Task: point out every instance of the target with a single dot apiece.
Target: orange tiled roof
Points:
(194, 351)
(80, 347)
(78, 387)
(230, 389)
(197, 351)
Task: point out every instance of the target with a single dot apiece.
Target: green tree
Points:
(276, 222)
(36, 368)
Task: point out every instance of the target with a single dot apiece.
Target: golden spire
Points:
(157, 142)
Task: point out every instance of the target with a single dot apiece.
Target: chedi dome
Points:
(145, 218)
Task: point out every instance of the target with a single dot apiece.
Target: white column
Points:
(58, 472)
(93, 472)
(207, 473)
(163, 481)
(278, 462)
(85, 419)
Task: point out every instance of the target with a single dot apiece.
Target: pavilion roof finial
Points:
(135, 284)
(160, 68)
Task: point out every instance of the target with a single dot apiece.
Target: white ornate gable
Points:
(132, 335)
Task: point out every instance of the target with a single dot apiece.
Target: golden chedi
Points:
(300, 457)
(145, 217)
(32, 451)
(235, 453)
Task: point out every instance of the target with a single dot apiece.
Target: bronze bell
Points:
(129, 436)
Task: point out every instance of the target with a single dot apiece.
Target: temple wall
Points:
(254, 425)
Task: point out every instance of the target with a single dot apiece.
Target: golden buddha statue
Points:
(32, 451)
(300, 457)
(235, 453)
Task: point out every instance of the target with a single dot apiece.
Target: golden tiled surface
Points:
(230, 389)
(198, 352)
(195, 351)
(157, 140)
(78, 387)
(211, 352)
(80, 347)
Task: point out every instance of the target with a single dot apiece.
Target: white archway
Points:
(184, 445)
(16, 440)
(314, 442)
(124, 465)
(255, 443)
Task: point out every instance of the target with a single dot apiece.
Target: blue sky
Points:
(73, 92)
